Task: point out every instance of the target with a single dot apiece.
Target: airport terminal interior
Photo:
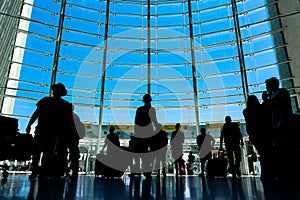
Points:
(199, 60)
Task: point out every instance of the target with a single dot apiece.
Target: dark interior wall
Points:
(282, 47)
(8, 24)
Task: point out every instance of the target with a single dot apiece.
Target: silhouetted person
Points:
(258, 124)
(75, 133)
(277, 101)
(144, 123)
(111, 142)
(52, 114)
(252, 114)
(158, 145)
(134, 159)
(232, 137)
(177, 140)
(280, 102)
(5, 173)
(205, 143)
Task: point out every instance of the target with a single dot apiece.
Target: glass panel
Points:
(85, 58)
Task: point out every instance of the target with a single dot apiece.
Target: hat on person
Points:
(59, 89)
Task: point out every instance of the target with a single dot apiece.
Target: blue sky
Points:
(81, 57)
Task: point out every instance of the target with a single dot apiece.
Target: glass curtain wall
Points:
(109, 53)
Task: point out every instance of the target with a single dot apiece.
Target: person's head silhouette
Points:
(59, 90)
(177, 126)
(228, 119)
(272, 84)
(111, 129)
(203, 131)
(147, 98)
(252, 101)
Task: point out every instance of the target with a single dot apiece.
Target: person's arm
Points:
(33, 118)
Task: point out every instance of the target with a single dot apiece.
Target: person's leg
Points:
(176, 167)
(163, 162)
(36, 156)
(202, 166)
(74, 156)
(35, 163)
(237, 153)
(231, 160)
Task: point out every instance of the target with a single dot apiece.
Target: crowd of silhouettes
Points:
(271, 128)
(270, 125)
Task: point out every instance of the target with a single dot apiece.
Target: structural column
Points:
(240, 50)
(58, 42)
(103, 75)
(149, 46)
(194, 70)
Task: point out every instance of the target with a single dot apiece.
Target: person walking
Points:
(205, 143)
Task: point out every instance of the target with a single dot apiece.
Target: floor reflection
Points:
(141, 188)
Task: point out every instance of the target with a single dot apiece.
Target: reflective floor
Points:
(186, 187)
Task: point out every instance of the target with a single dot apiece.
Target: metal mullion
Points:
(79, 59)
(103, 75)
(211, 20)
(78, 74)
(220, 89)
(49, 39)
(82, 32)
(29, 82)
(130, 38)
(29, 19)
(34, 50)
(260, 35)
(83, 19)
(58, 43)
(24, 90)
(149, 47)
(264, 50)
(78, 44)
(214, 32)
(29, 65)
(84, 7)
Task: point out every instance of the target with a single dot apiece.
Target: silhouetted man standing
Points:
(177, 140)
(233, 138)
(277, 102)
(112, 142)
(52, 114)
(144, 126)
